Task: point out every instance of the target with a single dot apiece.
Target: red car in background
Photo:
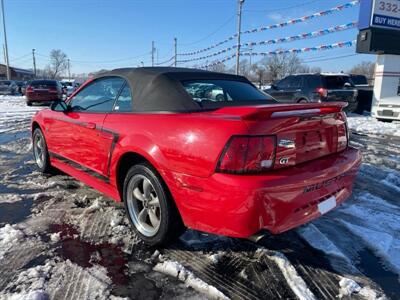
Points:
(43, 91)
(201, 149)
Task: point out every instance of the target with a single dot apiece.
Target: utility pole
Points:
(152, 53)
(239, 29)
(34, 62)
(5, 41)
(69, 69)
(176, 52)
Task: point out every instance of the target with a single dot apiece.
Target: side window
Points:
(98, 96)
(284, 83)
(295, 82)
(314, 82)
(124, 101)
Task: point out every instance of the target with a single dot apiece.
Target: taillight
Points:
(29, 89)
(248, 154)
(343, 134)
(322, 92)
(52, 89)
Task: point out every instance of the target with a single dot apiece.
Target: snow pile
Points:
(178, 271)
(55, 237)
(296, 283)
(9, 236)
(369, 125)
(55, 279)
(349, 287)
(10, 198)
(31, 283)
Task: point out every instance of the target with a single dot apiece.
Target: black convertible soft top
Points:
(160, 88)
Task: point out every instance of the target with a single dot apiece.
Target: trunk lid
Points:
(303, 132)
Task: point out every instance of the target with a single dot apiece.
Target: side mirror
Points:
(59, 106)
(274, 87)
(347, 85)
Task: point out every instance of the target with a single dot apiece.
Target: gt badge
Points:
(284, 161)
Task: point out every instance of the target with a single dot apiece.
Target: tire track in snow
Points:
(222, 283)
(234, 276)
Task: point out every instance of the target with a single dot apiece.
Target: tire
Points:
(302, 101)
(140, 207)
(40, 154)
(29, 103)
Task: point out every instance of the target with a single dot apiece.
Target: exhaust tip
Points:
(258, 236)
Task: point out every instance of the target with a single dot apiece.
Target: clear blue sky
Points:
(96, 33)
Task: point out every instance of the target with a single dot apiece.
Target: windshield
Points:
(3, 82)
(224, 92)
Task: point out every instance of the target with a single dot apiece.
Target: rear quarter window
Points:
(337, 82)
(224, 92)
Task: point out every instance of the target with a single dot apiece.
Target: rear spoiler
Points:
(281, 110)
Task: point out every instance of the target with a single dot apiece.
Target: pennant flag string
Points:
(284, 51)
(279, 25)
(297, 37)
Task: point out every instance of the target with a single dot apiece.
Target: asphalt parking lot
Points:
(63, 240)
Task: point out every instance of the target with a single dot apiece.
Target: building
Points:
(16, 73)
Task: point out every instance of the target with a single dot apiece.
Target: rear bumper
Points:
(240, 206)
(388, 113)
(40, 98)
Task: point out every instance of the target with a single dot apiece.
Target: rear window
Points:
(337, 82)
(224, 93)
(359, 79)
(43, 83)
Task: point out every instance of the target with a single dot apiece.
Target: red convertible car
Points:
(209, 151)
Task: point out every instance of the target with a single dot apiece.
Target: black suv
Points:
(322, 87)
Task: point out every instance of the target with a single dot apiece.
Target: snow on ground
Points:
(175, 269)
(296, 283)
(69, 241)
(9, 236)
(14, 112)
(370, 125)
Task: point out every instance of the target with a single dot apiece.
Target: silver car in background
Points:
(8, 87)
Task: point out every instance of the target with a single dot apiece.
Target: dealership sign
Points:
(380, 13)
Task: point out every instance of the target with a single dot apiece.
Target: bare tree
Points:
(221, 68)
(281, 65)
(366, 68)
(58, 63)
(308, 69)
(258, 74)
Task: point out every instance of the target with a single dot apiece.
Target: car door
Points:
(78, 135)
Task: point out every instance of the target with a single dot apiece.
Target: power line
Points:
(103, 61)
(209, 35)
(20, 57)
(331, 58)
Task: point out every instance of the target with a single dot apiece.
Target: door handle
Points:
(90, 125)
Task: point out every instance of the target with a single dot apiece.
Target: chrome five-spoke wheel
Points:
(143, 205)
(39, 150)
